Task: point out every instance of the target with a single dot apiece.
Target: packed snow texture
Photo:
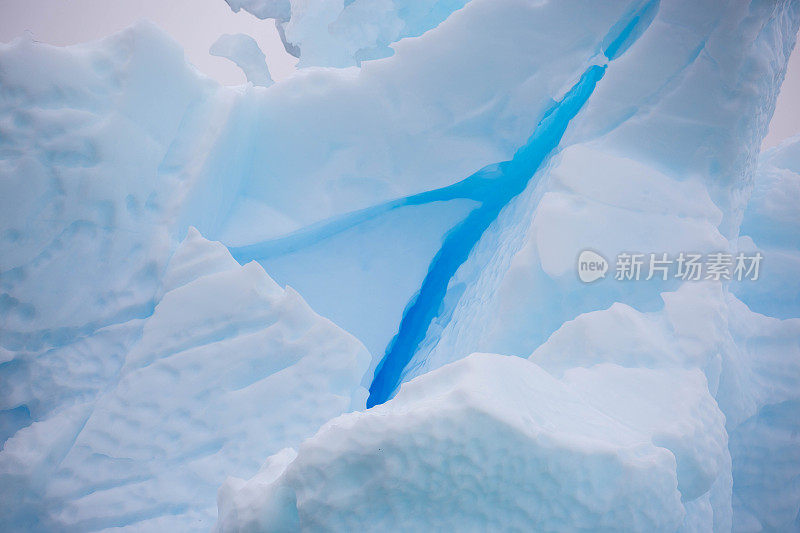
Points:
(245, 52)
(223, 338)
(143, 361)
(487, 443)
(751, 363)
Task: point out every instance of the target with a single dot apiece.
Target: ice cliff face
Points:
(429, 205)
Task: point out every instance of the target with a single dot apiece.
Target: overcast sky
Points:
(196, 24)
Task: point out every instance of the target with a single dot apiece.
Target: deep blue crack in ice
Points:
(625, 32)
(494, 187)
(498, 184)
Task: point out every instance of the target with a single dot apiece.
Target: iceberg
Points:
(686, 379)
(350, 300)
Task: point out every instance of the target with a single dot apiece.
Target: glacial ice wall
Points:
(439, 195)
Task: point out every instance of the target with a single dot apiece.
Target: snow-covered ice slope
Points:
(438, 196)
(229, 369)
(85, 136)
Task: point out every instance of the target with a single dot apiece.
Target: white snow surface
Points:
(494, 442)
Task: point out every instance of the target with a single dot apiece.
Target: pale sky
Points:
(196, 24)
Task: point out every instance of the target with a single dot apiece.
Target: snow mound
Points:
(673, 407)
(493, 442)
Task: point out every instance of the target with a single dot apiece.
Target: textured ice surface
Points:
(153, 448)
(489, 442)
(751, 363)
(244, 51)
(494, 442)
(85, 134)
(440, 195)
(681, 379)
